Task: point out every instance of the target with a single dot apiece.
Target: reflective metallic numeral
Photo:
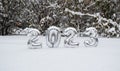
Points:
(53, 36)
(92, 33)
(71, 35)
(33, 41)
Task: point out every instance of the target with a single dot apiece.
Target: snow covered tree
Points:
(41, 14)
(3, 19)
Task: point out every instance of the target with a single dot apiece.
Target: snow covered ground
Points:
(15, 56)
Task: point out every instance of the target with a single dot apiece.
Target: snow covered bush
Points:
(79, 14)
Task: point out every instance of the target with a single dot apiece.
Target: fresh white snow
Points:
(15, 56)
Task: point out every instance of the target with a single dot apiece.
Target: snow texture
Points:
(15, 56)
(96, 15)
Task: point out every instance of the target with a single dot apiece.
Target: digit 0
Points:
(53, 36)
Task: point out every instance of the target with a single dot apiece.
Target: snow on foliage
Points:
(96, 15)
(77, 13)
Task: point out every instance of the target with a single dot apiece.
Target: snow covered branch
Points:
(96, 15)
(53, 5)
